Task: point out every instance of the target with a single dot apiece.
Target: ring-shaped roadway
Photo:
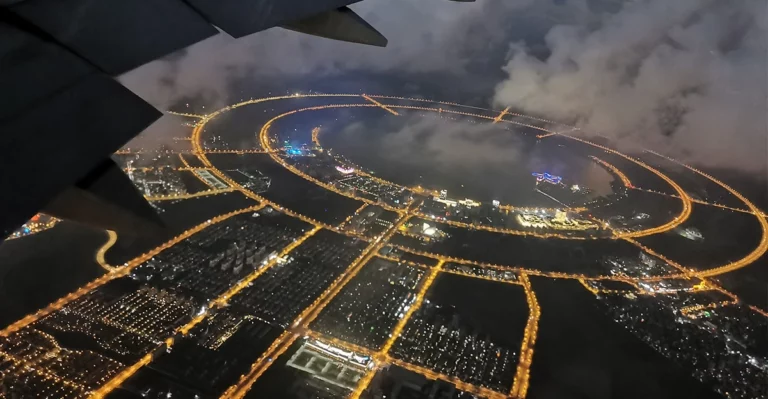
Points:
(761, 249)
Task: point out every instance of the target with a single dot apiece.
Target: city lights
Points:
(256, 270)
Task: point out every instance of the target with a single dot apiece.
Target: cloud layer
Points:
(466, 40)
(467, 156)
(686, 77)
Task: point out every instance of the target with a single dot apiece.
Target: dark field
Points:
(192, 183)
(728, 236)
(292, 191)
(569, 256)
(39, 269)
(582, 353)
(497, 309)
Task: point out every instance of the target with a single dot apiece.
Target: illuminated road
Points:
(315, 135)
(522, 376)
(191, 169)
(481, 277)
(520, 387)
(596, 291)
(186, 328)
(301, 324)
(159, 168)
(115, 382)
(381, 355)
(185, 114)
(758, 310)
(543, 136)
(239, 390)
(530, 209)
(111, 240)
(184, 161)
(222, 300)
(122, 271)
(239, 152)
(387, 360)
(693, 311)
(205, 193)
(432, 375)
(624, 179)
(45, 374)
(697, 201)
(407, 262)
(395, 334)
(352, 216)
(266, 144)
(471, 107)
(380, 105)
(685, 199)
(201, 155)
(752, 256)
(534, 272)
(128, 151)
(501, 115)
(362, 384)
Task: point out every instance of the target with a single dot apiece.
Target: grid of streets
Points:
(265, 289)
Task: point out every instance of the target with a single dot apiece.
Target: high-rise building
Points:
(443, 194)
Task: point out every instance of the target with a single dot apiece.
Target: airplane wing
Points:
(62, 113)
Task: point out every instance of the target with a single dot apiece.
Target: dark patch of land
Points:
(39, 269)
(292, 191)
(193, 160)
(191, 182)
(568, 256)
(749, 283)
(282, 381)
(407, 256)
(581, 353)
(696, 185)
(497, 309)
(728, 236)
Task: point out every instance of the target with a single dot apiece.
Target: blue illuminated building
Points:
(547, 178)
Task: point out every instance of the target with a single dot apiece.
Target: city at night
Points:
(385, 200)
